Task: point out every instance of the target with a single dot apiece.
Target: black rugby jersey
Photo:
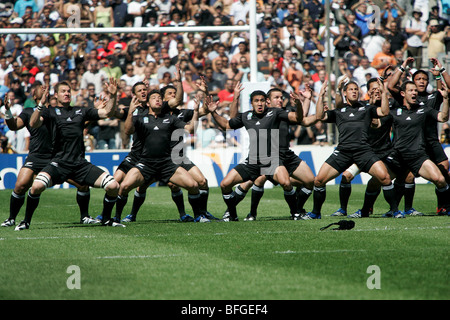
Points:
(136, 147)
(156, 134)
(260, 127)
(68, 125)
(285, 135)
(41, 143)
(409, 134)
(380, 138)
(184, 115)
(353, 123)
(433, 101)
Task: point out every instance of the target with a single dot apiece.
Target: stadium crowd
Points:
(291, 52)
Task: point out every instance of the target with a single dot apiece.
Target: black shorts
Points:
(36, 163)
(83, 172)
(399, 162)
(364, 158)
(290, 160)
(435, 152)
(249, 171)
(127, 164)
(186, 164)
(156, 169)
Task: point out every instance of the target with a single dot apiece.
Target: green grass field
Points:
(273, 258)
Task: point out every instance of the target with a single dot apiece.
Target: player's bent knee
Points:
(109, 184)
(41, 182)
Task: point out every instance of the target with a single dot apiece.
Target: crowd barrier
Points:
(214, 163)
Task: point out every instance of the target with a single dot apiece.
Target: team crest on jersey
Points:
(78, 111)
(420, 111)
(430, 96)
(362, 108)
(166, 121)
(269, 114)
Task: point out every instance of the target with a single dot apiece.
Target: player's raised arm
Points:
(178, 99)
(443, 114)
(36, 119)
(212, 106)
(320, 112)
(192, 125)
(397, 74)
(384, 109)
(129, 125)
(234, 106)
(110, 109)
(297, 116)
(13, 123)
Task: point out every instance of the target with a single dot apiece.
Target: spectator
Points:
(434, 15)
(103, 15)
(355, 30)
(219, 73)
(435, 38)
(415, 28)
(315, 10)
(359, 74)
(264, 65)
(107, 133)
(40, 51)
(372, 42)
(294, 76)
(342, 40)
(21, 6)
(95, 76)
(362, 16)
(130, 77)
(319, 133)
(166, 67)
(226, 95)
(212, 84)
(392, 12)
(119, 12)
(397, 37)
(242, 53)
(313, 44)
(239, 11)
(54, 77)
(384, 58)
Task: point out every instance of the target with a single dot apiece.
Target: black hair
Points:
(139, 83)
(404, 84)
(273, 90)
(372, 80)
(155, 91)
(258, 93)
(419, 72)
(163, 90)
(349, 83)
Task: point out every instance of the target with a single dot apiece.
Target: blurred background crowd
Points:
(291, 54)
